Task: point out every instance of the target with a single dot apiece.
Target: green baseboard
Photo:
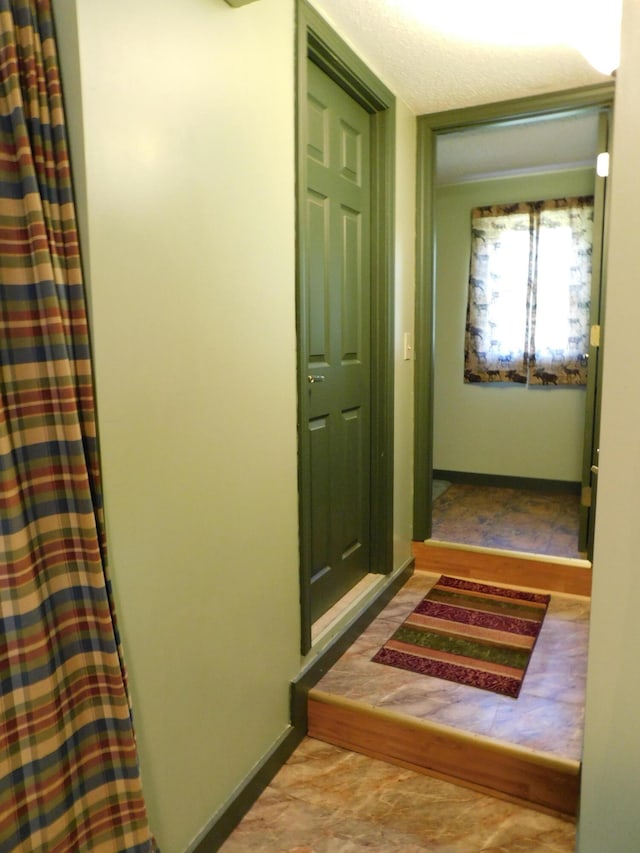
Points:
(531, 483)
(229, 816)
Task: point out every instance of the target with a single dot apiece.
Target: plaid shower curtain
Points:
(69, 776)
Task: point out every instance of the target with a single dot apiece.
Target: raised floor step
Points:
(527, 749)
(531, 778)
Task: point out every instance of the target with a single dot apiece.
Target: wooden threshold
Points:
(534, 779)
(569, 576)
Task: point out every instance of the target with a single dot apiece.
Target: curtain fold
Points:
(69, 774)
(529, 292)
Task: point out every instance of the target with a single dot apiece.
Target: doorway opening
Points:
(451, 183)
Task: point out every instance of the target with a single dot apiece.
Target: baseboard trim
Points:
(222, 824)
(225, 820)
(533, 484)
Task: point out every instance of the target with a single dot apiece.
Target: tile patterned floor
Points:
(328, 799)
(513, 519)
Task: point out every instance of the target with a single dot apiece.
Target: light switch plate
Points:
(236, 3)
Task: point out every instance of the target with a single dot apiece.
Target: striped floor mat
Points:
(470, 633)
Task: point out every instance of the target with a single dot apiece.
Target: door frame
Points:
(429, 127)
(317, 41)
(591, 442)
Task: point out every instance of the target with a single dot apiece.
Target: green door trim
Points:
(317, 41)
(594, 379)
(429, 127)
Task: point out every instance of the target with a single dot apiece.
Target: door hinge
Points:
(594, 336)
(585, 498)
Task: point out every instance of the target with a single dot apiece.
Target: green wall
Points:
(510, 429)
(182, 129)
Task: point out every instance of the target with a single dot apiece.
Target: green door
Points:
(335, 309)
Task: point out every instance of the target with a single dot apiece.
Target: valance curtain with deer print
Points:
(529, 292)
(69, 776)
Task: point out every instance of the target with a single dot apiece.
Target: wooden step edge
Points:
(544, 759)
(536, 779)
(575, 562)
(451, 572)
(537, 571)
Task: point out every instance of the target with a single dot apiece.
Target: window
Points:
(529, 293)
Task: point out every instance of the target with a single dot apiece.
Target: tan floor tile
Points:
(329, 799)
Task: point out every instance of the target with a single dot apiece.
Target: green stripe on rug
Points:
(462, 646)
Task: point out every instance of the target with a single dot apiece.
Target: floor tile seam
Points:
(555, 703)
(539, 666)
(322, 811)
(495, 845)
(377, 831)
(560, 611)
(345, 810)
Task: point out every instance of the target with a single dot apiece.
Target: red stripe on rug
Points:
(512, 624)
(491, 597)
(460, 675)
(425, 653)
(503, 592)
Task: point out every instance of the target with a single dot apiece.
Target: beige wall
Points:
(510, 430)
(182, 123)
(609, 813)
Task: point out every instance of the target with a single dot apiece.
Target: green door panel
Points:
(329, 494)
(338, 319)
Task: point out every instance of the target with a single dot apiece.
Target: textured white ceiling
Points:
(565, 142)
(433, 71)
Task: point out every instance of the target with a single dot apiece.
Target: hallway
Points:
(327, 798)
